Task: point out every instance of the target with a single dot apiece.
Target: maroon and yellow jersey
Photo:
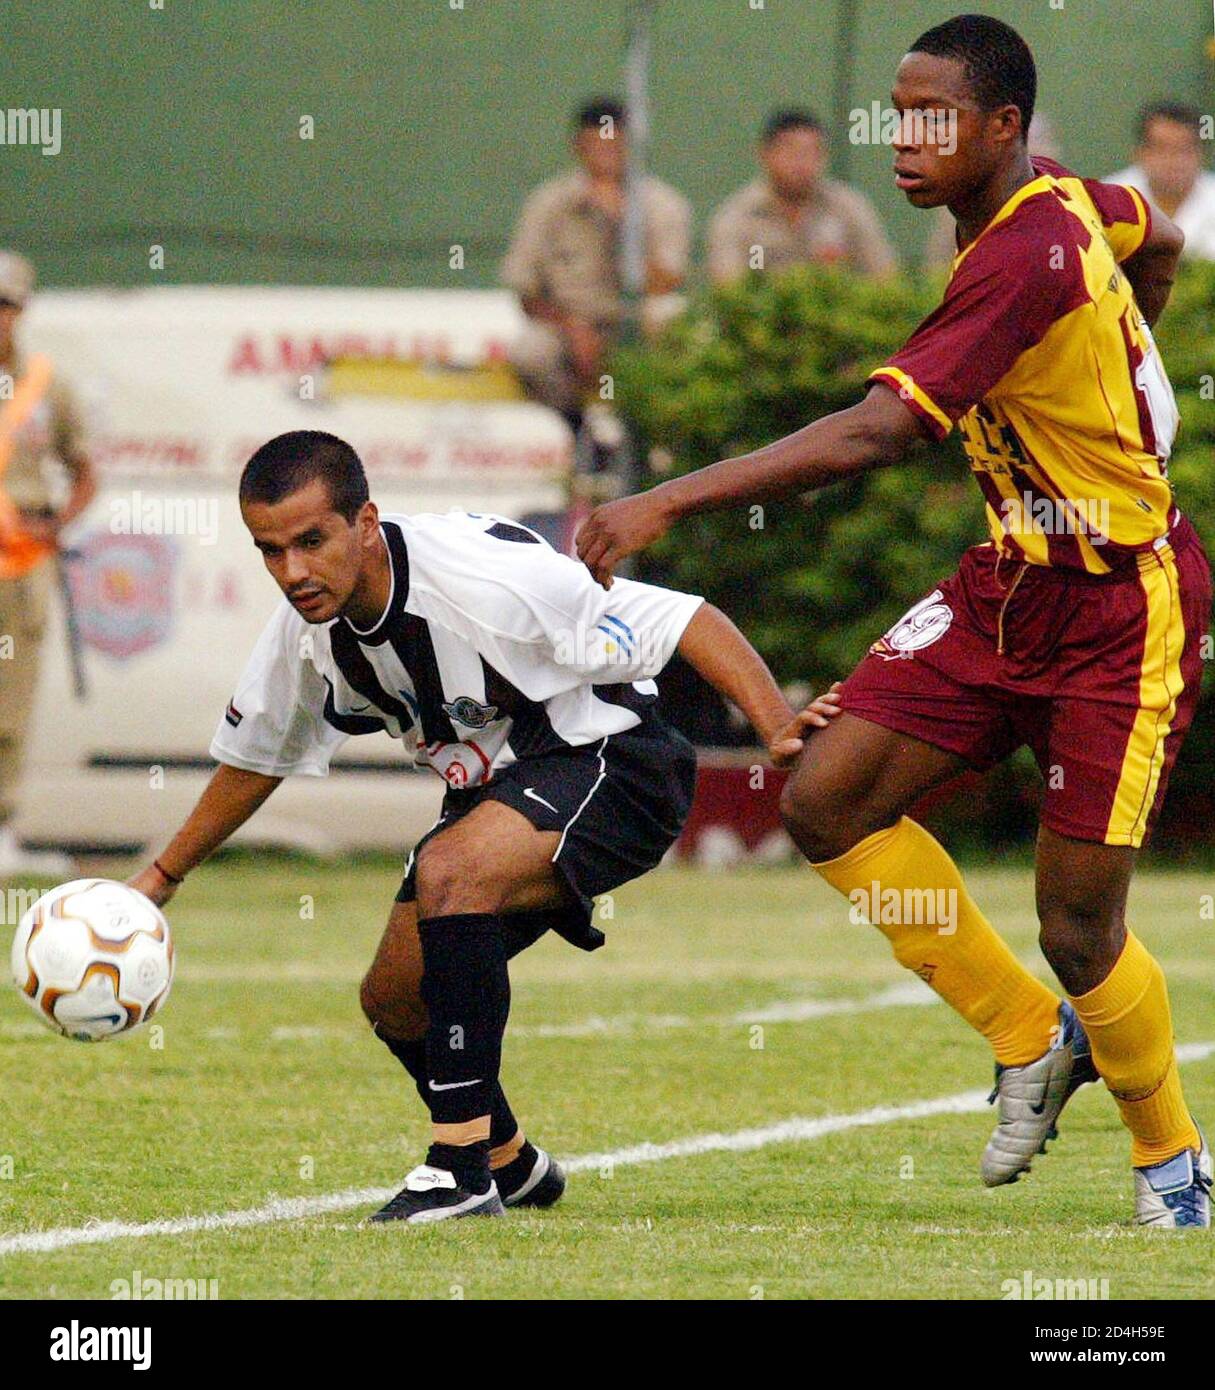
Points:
(1040, 355)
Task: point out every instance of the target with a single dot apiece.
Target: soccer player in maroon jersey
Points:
(1075, 629)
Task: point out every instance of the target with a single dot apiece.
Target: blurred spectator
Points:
(942, 244)
(564, 263)
(39, 425)
(793, 214)
(1168, 172)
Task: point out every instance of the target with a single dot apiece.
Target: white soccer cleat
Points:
(1177, 1193)
(1030, 1099)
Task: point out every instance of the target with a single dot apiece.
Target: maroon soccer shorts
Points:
(1097, 674)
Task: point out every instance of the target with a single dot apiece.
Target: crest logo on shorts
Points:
(465, 710)
(927, 622)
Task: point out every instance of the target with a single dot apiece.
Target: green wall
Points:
(180, 126)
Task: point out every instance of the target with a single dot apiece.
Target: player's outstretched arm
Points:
(878, 430)
(230, 798)
(714, 647)
(1153, 268)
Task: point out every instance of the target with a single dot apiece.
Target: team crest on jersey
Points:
(927, 622)
(467, 711)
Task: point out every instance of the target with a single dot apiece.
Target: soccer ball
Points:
(93, 958)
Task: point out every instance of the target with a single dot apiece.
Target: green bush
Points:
(813, 581)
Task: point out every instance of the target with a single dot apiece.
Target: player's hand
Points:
(619, 529)
(153, 884)
(787, 744)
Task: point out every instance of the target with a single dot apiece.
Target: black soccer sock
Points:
(511, 1176)
(467, 1163)
(502, 1123)
(411, 1053)
(466, 989)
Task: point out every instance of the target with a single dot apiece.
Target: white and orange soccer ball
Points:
(93, 958)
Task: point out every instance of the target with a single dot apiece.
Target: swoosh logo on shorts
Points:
(453, 1085)
(527, 791)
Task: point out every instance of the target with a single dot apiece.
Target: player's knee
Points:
(819, 822)
(450, 880)
(801, 819)
(1079, 938)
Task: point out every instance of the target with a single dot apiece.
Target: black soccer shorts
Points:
(619, 805)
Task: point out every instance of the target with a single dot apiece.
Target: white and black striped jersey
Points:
(493, 647)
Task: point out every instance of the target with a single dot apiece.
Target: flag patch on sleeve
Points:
(232, 714)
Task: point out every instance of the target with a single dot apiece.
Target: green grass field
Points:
(268, 1086)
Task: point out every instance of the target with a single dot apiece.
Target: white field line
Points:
(798, 1130)
(906, 994)
(909, 993)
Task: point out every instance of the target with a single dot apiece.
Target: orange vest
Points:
(19, 552)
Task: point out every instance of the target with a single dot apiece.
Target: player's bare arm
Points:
(723, 656)
(231, 797)
(1153, 268)
(877, 430)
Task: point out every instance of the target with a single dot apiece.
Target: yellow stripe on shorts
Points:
(1160, 685)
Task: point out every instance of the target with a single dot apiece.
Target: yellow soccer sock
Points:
(903, 882)
(1129, 1025)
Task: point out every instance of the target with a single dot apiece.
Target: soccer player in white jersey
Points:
(529, 689)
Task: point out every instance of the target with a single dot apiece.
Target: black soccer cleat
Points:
(539, 1183)
(432, 1194)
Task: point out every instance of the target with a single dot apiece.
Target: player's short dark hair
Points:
(997, 61)
(291, 461)
(1177, 111)
(589, 116)
(790, 118)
